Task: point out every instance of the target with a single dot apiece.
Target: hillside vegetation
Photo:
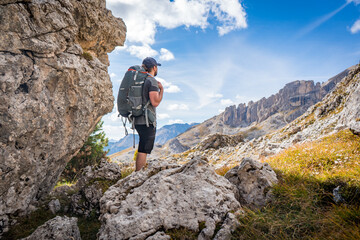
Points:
(304, 206)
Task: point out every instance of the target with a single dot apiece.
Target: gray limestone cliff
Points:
(54, 88)
(294, 99)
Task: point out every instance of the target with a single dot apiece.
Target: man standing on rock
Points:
(153, 91)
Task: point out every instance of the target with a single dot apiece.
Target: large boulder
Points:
(54, 88)
(216, 141)
(168, 196)
(83, 198)
(58, 228)
(253, 180)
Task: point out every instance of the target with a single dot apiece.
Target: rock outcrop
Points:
(54, 88)
(174, 146)
(338, 110)
(58, 228)
(217, 141)
(295, 98)
(254, 180)
(83, 198)
(167, 196)
(257, 118)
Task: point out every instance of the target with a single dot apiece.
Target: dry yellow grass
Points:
(303, 206)
(223, 170)
(335, 156)
(114, 155)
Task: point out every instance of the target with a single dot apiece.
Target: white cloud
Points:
(227, 15)
(355, 27)
(226, 102)
(114, 117)
(120, 48)
(114, 132)
(172, 89)
(175, 121)
(353, 1)
(231, 14)
(168, 87)
(162, 116)
(312, 26)
(145, 50)
(141, 26)
(112, 75)
(244, 99)
(221, 110)
(214, 95)
(142, 51)
(173, 107)
(166, 55)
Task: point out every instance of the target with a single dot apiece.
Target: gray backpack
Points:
(130, 100)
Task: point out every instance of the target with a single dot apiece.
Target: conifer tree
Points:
(90, 154)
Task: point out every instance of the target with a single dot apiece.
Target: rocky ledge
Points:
(164, 197)
(54, 88)
(83, 198)
(58, 228)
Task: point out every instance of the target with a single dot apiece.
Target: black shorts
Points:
(147, 138)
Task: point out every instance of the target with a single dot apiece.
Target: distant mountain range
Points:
(163, 134)
(257, 118)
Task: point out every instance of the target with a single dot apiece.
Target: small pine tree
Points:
(90, 154)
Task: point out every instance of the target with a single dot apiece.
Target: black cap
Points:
(149, 62)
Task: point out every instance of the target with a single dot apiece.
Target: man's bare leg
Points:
(140, 161)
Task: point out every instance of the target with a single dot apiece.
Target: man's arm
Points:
(156, 97)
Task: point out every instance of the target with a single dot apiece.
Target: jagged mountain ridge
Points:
(163, 134)
(168, 132)
(122, 144)
(294, 98)
(257, 118)
(340, 109)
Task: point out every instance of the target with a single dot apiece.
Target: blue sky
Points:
(217, 53)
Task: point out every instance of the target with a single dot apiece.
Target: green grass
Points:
(126, 172)
(27, 225)
(182, 234)
(64, 183)
(87, 56)
(88, 227)
(104, 184)
(186, 234)
(303, 205)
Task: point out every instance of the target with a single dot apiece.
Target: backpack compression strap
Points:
(130, 69)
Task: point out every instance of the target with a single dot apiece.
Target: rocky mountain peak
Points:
(294, 98)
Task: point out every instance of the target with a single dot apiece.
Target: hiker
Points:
(153, 91)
